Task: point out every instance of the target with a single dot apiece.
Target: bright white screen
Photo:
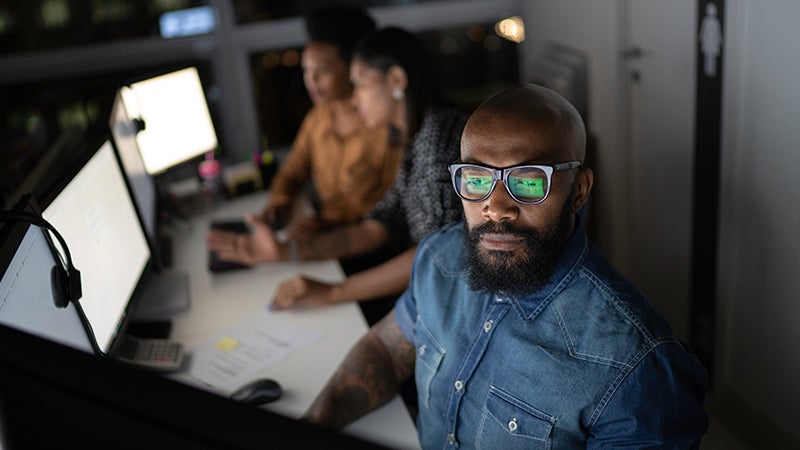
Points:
(178, 125)
(95, 215)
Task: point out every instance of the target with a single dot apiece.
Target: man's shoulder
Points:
(606, 315)
(444, 248)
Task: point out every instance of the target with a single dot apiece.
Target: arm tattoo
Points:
(368, 378)
(344, 241)
(334, 244)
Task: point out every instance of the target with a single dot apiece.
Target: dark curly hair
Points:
(341, 26)
(393, 46)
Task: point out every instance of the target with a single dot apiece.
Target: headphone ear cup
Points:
(60, 286)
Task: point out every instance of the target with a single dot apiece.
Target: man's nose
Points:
(500, 206)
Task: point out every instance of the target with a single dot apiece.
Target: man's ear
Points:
(397, 78)
(584, 181)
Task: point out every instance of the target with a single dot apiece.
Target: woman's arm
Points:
(385, 279)
(351, 240)
(261, 246)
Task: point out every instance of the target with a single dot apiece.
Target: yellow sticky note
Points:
(226, 344)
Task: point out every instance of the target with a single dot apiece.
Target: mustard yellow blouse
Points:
(351, 173)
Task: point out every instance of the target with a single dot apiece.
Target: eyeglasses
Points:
(528, 183)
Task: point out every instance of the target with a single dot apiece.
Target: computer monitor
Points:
(143, 186)
(176, 122)
(52, 396)
(166, 292)
(27, 298)
(95, 214)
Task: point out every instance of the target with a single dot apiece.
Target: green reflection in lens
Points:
(478, 184)
(529, 187)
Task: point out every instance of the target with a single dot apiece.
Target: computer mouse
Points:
(258, 392)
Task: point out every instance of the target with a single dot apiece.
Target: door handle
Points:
(634, 52)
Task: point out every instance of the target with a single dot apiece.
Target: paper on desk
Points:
(232, 357)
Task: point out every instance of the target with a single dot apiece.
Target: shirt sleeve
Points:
(295, 170)
(659, 405)
(404, 313)
(405, 308)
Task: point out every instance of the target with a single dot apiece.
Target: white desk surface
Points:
(220, 301)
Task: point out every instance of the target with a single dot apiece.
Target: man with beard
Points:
(519, 333)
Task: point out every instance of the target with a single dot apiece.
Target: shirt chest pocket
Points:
(510, 423)
(429, 357)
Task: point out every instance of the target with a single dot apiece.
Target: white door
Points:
(659, 58)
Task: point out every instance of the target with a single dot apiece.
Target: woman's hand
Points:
(301, 291)
(258, 246)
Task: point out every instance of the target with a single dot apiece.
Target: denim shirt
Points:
(586, 362)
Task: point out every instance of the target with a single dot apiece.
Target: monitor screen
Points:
(26, 293)
(143, 187)
(96, 216)
(177, 124)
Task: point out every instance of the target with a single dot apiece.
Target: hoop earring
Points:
(397, 94)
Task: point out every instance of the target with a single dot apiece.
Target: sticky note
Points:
(226, 344)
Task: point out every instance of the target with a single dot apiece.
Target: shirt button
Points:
(459, 385)
(422, 350)
(451, 438)
(512, 425)
(487, 326)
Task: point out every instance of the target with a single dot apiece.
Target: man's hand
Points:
(302, 291)
(259, 246)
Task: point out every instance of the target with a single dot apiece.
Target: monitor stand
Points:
(165, 294)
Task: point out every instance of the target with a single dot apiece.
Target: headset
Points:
(65, 278)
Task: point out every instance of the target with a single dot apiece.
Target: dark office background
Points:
(64, 113)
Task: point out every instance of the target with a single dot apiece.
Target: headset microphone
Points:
(65, 278)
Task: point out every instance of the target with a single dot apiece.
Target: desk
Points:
(220, 301)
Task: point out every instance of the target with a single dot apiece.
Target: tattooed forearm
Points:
(333, 244)
(368, 378)
(402, 352)
(344, 241)
(337, 407)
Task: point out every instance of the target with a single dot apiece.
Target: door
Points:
(658, 55)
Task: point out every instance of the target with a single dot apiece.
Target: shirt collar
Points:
(529, 306)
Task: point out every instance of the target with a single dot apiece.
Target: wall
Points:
(759, 252)
(592, 27)
(757, 361)
(644, 131)
(228, 49)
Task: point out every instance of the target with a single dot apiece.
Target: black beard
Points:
(511, 273)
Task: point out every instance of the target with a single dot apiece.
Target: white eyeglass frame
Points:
(502, 175)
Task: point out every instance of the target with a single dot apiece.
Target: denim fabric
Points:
(586, 362)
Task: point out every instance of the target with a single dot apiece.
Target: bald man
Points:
(518, 332)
